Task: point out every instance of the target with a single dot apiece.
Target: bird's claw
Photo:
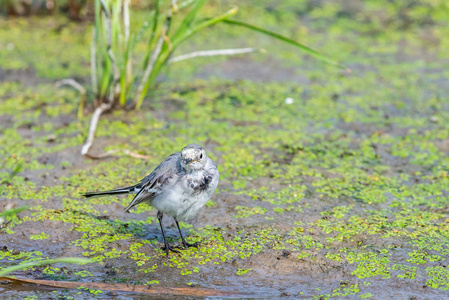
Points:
(167, 248)
(189, 245)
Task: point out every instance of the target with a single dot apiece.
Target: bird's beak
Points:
(188, 160)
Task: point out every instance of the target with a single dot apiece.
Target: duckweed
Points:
(348, 181)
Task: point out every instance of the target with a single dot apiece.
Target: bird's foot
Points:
(167, 248)
(189, 245)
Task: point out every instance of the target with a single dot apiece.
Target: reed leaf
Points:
(285, 39)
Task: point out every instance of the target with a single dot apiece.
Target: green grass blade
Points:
(155, 22)
(13, 211)
(152, 19)
(188, 20)
(153, 32)
(198, 27)
(105, 80)
(126, 68)
(287, 40)
(175, 41)
(98, 46)
(123, 88)
(67, 260)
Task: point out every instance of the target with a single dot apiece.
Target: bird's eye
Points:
(201, 156)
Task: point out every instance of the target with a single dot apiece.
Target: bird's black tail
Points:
(127, 190)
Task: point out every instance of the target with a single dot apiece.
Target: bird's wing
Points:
(153, 184)
(170, 163)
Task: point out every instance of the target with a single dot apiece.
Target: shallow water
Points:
(340, 194)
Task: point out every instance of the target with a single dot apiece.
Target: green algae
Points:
(41, 236)
(438, 277)
(353, 173)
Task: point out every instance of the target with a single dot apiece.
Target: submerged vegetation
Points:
(341, 191)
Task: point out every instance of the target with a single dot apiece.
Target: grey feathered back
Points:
(164, 171)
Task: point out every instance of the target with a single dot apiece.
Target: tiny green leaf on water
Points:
(41, 236)
(242, 271)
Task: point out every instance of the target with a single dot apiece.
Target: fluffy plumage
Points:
(179, 187)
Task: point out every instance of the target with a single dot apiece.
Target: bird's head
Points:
(193, 157)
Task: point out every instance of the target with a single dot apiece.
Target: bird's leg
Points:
(167, 246)
(186, 245)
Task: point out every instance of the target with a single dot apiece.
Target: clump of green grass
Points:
(115, 78)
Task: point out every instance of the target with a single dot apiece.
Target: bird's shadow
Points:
(141, 230)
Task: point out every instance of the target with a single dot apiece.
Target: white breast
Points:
(183, 201)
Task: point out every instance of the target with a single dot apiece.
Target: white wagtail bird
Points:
(178, 187)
